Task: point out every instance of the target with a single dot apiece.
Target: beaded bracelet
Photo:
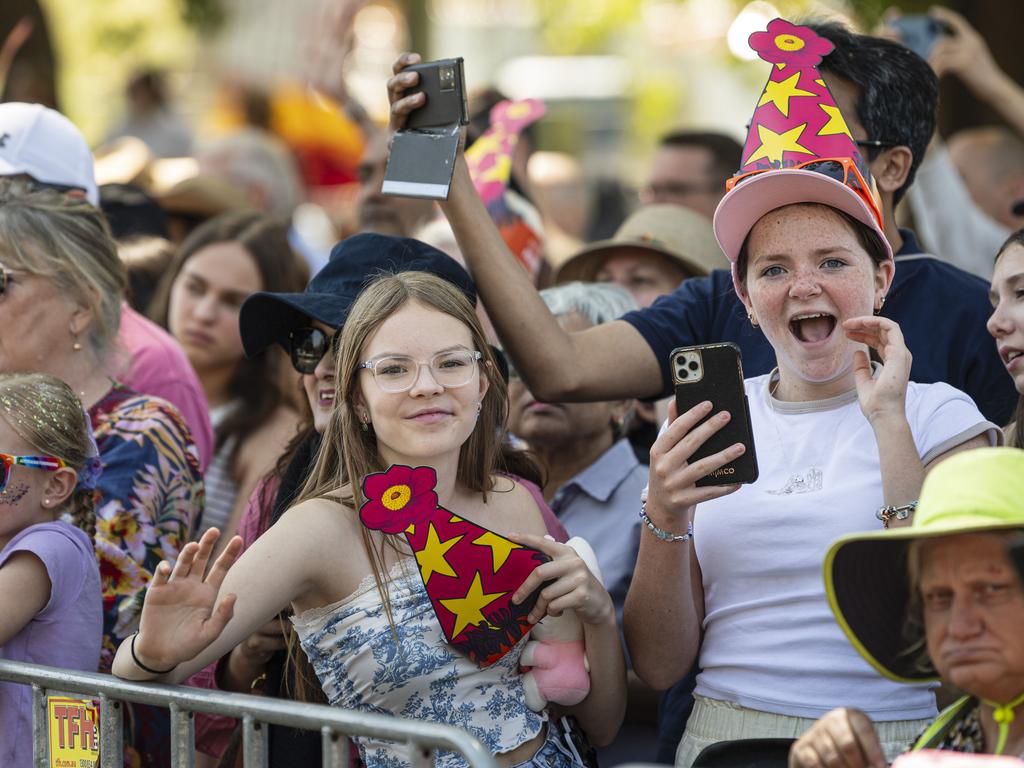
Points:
(663, 535)
(889, 513)
(143, 666)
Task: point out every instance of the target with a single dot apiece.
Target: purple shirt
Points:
(66, 633)
(157, 366)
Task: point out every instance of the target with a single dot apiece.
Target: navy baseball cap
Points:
(267, 318)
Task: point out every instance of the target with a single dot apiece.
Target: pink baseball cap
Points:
(40, 142)
(745, 204)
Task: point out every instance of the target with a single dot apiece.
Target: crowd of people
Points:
(191, 407)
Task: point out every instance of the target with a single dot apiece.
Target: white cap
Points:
(42, 143)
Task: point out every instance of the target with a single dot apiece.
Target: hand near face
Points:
(844, 738)
(885, 396)
(572, 587)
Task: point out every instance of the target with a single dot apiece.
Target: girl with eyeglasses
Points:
(221, 263)
(51, 610)
(361, 612)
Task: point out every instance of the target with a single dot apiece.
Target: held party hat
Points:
(41, 143)
(469, 572)
(489, 159)
(866, 574)
(799, 148)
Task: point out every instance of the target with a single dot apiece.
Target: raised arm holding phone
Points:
(839, 442)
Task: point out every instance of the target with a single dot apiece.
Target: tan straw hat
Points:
(677, 233)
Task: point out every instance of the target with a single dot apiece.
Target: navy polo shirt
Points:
(941, 310)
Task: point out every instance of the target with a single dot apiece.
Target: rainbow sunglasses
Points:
(842, 169)
(47, 463)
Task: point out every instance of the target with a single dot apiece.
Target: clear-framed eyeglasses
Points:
(398, 373)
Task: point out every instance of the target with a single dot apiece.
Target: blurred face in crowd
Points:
(973, 609)
(991, 163)
(645, 274)
(806, 273)
(205, 299)
(386, 214)
(1007, 321)
(319, 385)
(682, 176)
(550, 427)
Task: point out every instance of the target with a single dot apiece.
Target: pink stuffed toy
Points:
(559, 672)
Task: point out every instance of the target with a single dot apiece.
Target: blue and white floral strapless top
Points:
(351, 647)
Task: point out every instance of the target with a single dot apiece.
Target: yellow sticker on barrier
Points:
(74, 732)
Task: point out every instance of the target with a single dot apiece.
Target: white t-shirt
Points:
(771, 643)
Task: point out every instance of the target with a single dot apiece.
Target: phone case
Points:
(442, 81)
(721, 383)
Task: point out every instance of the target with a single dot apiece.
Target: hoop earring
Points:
(881, 303)
(750, 317)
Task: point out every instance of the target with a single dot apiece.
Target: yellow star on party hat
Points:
(469, 572)
(798, 148)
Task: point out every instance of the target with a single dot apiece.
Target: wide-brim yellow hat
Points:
(866, 577)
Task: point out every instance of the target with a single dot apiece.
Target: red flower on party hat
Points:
(398, 498)
(788, 44)
(469, 572)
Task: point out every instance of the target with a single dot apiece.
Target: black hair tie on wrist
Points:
(142, 666)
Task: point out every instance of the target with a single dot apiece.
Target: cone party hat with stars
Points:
(796, 129)
(470, 573)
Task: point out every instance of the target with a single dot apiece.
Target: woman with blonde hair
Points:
(61, 284)
(50, 607)
(416, 385)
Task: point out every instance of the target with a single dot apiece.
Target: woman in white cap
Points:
(938, 600)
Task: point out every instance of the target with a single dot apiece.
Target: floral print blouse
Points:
(151, 499)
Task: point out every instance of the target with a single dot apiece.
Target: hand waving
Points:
(181, 614)
(885, 396)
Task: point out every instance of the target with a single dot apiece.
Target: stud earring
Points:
(881, 303)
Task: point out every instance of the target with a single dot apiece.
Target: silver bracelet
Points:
(663, 535)
(889, 513)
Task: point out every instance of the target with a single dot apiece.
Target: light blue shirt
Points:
(602, 505)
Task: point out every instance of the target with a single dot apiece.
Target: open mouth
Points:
(813, 327)
(326, 397)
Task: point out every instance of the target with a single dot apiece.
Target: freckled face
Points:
(807, 273)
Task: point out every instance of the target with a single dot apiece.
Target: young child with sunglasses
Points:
(51, 610)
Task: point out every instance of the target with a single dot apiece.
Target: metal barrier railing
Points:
(334, 724)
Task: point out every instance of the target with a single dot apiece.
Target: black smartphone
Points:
(715, 372)
(919, 32)
(443, 81)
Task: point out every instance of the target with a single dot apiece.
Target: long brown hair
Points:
(258, 381)
(348, 453)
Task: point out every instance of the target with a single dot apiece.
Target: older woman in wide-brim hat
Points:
(939, 600)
